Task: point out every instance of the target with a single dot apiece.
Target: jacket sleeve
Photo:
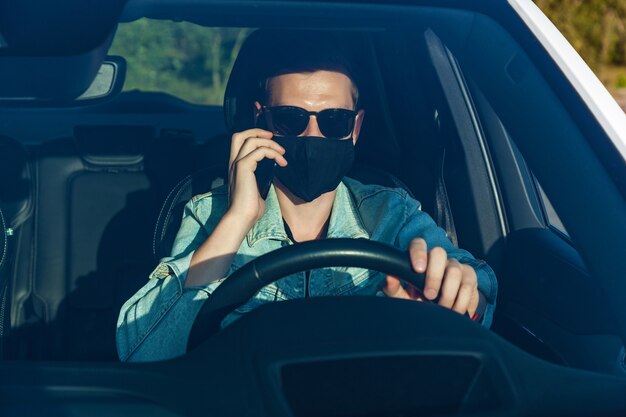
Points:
(419, 224)
(154, 324)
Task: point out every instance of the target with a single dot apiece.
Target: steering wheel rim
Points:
(244, 283)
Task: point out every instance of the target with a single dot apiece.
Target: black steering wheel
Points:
(244, 283)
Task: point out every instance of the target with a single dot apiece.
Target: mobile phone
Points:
(264, 175)
(265, 168)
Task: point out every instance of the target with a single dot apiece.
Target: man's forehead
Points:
(332, 87)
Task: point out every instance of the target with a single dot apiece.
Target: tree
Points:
(596, 28)
(186, 60)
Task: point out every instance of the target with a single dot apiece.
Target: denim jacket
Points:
(155, 323)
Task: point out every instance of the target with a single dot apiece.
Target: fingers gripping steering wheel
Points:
(244, 283)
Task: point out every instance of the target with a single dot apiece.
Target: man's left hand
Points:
(454, 283)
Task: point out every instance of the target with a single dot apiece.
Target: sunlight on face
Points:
(313, 91)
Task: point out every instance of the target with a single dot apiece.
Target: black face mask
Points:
(315, 165)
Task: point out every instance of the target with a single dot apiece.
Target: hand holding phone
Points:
(253, 157)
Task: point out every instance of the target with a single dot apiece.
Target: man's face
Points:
(313, 91)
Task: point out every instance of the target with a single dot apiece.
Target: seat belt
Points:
(443, 213)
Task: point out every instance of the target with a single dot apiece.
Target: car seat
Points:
(81, 210)
(16, 208)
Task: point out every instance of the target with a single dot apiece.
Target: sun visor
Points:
(52, 50)
(54, 78)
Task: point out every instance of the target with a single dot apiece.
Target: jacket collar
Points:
(345, 220)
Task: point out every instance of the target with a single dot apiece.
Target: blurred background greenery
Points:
(183, 59)
(193, 62)
(597, 29)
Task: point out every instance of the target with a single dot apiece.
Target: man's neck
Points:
(306, 220)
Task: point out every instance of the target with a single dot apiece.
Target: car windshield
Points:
(467, 131)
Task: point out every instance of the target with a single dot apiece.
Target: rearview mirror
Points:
(58, 81)
(108, 82)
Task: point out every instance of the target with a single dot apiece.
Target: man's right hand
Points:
(247, 149)
(213, 258)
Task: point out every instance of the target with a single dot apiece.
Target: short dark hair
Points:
(306, 52)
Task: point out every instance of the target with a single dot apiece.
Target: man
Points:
(308, 124)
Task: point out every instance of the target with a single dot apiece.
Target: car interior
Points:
(92, 194)
(115, 185)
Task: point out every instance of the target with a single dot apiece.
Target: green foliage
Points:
(186, 60)
(596, 28)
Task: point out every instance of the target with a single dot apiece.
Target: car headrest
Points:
(113, 145)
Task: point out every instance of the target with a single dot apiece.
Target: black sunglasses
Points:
(292, 121)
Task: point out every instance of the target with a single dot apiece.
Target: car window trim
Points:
(450, 69)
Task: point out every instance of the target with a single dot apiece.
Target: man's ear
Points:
(257, 111)
(357, 125)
